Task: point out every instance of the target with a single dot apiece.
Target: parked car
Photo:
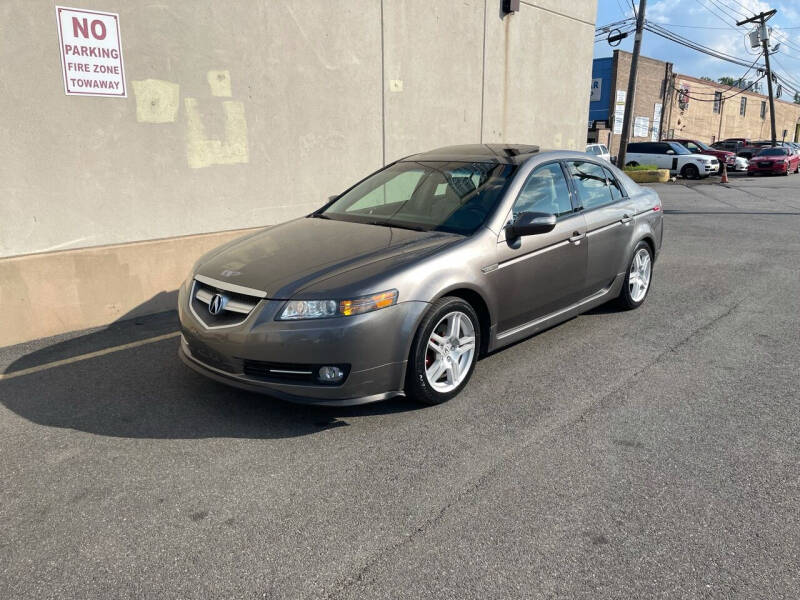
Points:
(672, 156)
(740, 164)
(777, 159)
(744, 148)
(599, 150)
(697, 147)
(396, 286)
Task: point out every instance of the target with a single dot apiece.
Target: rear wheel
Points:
(444, 352)
(638, 278)
(690, 172)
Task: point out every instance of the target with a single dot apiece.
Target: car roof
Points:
(499, 153)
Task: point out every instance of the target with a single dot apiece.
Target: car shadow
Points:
(143, 390)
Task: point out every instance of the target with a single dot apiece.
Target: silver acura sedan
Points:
(399, 284)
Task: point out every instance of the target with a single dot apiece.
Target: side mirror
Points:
(531, 223)
(670, 151)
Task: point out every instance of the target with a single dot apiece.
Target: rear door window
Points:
(590, 180)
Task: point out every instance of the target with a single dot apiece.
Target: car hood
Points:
(285, 258)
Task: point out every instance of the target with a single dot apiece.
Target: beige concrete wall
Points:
(305, 104)
(698, 120)
(245, 113)
(536, 62)
(46, 294)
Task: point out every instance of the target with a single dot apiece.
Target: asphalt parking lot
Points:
(648, 454)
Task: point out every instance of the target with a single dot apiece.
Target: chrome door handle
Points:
(626, 219)
(576, 238)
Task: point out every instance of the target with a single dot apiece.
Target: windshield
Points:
(702, 146)
(679, 148)
(455, 197)
(773, 152)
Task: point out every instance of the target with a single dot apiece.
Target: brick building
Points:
(711, 111)
(669, 104)
(652, 85)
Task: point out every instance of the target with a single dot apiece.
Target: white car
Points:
(672, 156)
(741, 164)
(598, 150)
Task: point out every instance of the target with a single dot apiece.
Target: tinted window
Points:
(637, 147)
(545, 191)
(590, 179)
(603, 149)
(614, 186)
(678, 148)
(593, 150)
(773, 152)
(444, 196)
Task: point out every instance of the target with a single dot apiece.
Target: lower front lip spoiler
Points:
(228, 379)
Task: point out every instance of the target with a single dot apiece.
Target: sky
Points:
(711, 23)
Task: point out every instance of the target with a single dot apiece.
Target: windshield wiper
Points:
(396, 225)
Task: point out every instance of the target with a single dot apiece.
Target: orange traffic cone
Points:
(724, 174)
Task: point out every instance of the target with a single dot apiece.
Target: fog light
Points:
(330, 374)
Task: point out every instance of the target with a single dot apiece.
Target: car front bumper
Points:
(776, 167)
(374, 346)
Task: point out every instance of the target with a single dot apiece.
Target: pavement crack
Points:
(594, 407)
(469, 491)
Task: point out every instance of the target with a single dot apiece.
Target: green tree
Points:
(706, 78)
(730, 81)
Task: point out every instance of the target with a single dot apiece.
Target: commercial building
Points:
(669, 104)
(223, 116)
(611, 76)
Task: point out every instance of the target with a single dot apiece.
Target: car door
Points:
(609, 218)
(538, 274)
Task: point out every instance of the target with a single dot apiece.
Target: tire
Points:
(628, 298)
(422, 360)
(690, 172)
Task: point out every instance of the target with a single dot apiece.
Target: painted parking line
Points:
(80, 357)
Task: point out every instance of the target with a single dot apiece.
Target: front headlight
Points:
(323, 309)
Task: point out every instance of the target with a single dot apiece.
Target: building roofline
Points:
(722, 86)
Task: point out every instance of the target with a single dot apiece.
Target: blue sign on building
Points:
(600, 100)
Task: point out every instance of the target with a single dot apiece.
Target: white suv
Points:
(599, 150)
(672, 156)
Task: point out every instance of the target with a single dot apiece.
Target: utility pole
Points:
(763, 35)
(631, 95)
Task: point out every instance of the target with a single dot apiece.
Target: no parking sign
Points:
(91, 52)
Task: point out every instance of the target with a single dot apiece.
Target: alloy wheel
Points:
(639, 275)
(450, 352)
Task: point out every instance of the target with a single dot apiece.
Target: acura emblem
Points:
(217, 304)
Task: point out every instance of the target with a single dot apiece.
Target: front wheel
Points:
(691, 172)
(638, 278)
(444, 351)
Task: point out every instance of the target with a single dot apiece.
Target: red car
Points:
(774, 160)
(698, 147)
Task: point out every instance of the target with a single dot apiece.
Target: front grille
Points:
(289, 372)
(234, 307)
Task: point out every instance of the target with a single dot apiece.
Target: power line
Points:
(720, 99)
(690, 26)
(725, 7)
(716, 14)
(679, 39)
